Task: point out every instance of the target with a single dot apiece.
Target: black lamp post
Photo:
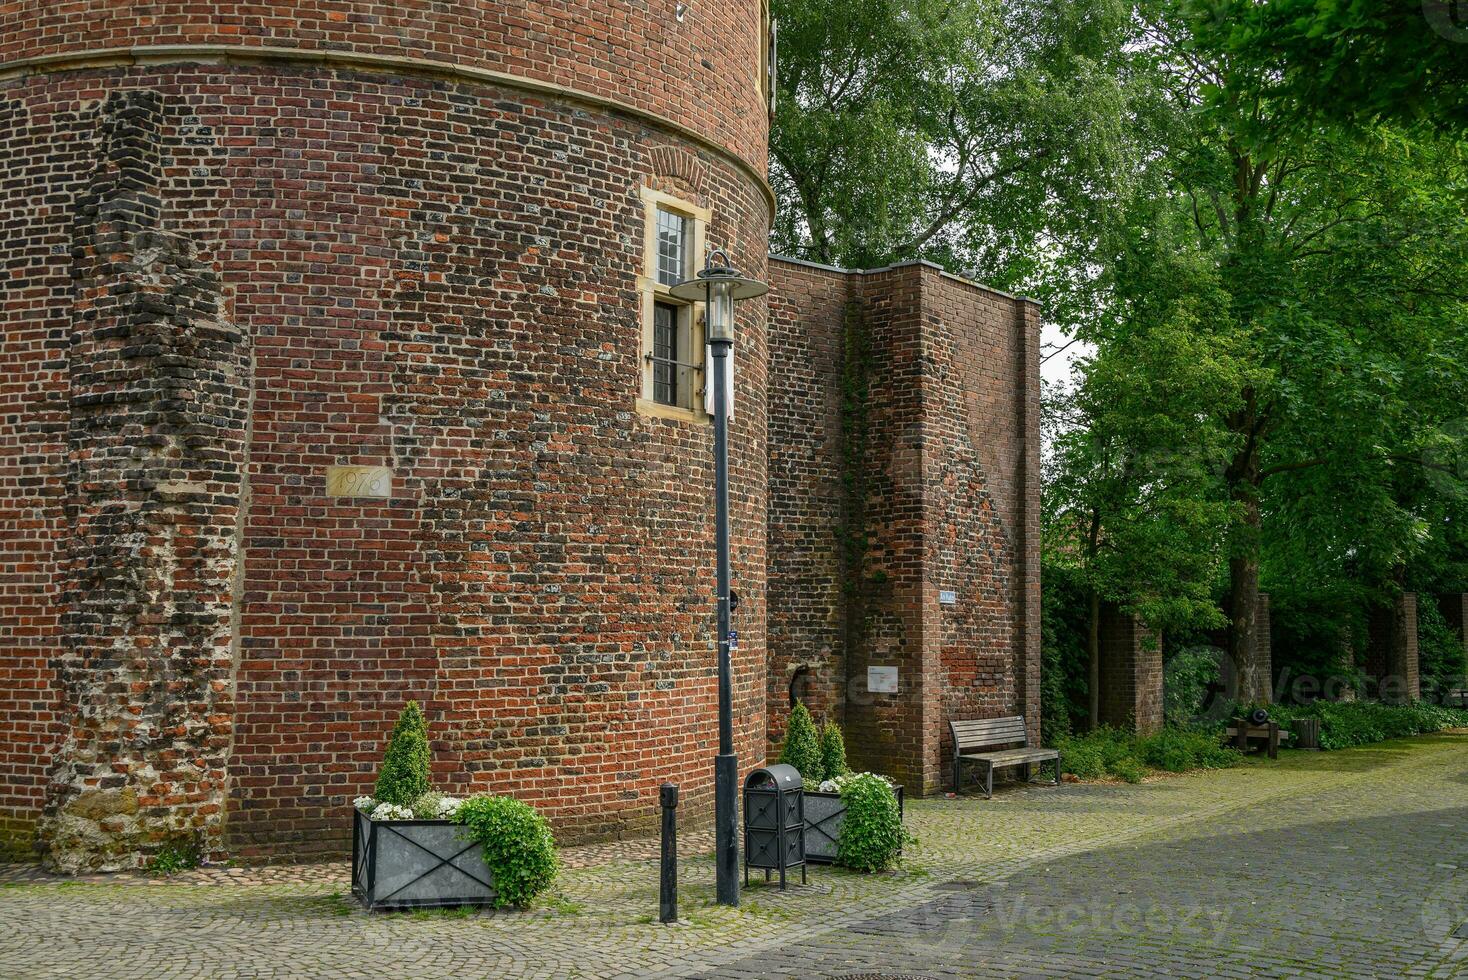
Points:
(719, 287)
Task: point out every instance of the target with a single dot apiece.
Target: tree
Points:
(1132, 500)
(940, 129)
(1337, 261)
(1354, 60)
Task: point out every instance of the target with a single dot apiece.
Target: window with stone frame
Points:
(672, 330)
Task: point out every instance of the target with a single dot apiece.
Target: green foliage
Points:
(803, 746)
(833, 751)
(175, 856)
(1063, 659)
(404, 774)
(943, 129)
(1123, 755)
(871, 836)
(1355, 60)
(519, 848)
(1442, 661)
(1345, 724)
(1186, 677)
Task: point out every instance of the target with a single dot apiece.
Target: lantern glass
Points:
(721, 310)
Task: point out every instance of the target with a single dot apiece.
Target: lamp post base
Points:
(726, 827)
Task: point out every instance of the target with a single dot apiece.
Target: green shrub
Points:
(1127, 768)
(833, 751)
(1185, 749)
(519, 848)
(1113, 752)
(1346, 724)
(803, 747)
(404, 774)
(871, 835)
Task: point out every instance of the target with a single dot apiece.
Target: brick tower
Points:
(337, 370)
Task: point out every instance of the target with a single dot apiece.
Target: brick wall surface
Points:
(702, 70)
(1392, 665)
(1131, 672)
(944, 497)
(430, 275)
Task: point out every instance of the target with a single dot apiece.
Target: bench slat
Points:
(1011, 757)
(983, 732)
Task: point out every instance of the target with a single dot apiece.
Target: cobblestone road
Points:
(1337, 864)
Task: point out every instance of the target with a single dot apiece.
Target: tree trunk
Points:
(1093, 654)
(1253, 680)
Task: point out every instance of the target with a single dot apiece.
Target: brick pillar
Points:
(1263, 625)
(1391, 651)
(1131, 672)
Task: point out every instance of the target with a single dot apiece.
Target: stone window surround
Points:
(651, 291)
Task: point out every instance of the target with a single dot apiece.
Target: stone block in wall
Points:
(1131, 672)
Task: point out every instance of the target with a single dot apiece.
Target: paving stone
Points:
(1229, 874)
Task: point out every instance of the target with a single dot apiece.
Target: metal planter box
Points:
(824, 813)
(415, 864)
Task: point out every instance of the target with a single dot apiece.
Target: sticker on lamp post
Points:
(881, 680)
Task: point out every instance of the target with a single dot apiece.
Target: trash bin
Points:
(774, 821)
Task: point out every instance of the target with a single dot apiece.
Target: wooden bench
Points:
(1266, 736)
(1456, 698)
(971, 739)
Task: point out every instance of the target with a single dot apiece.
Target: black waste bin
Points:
(774, 821)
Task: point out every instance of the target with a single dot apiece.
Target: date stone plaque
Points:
(359, 481)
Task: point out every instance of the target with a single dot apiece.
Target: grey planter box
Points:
(415, 864)
(824, 813)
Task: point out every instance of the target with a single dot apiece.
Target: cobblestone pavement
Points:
(1333, 864)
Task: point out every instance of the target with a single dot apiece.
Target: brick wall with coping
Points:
(948, 488)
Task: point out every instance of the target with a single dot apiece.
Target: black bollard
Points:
(668, 892)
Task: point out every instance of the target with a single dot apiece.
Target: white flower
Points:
(840, 782)
(391, 811)
(364, 803)
(448, 806)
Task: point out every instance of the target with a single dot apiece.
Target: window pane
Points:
(672, 247)
(665, 351)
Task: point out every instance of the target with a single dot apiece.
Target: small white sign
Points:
(358, 481)
(882, 680)
(948, 598)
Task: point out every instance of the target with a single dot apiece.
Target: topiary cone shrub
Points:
(803, 747)
(404, 774)
(833, 751)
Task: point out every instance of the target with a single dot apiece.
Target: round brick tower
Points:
(339, 372)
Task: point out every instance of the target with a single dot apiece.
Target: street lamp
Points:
(719, 286)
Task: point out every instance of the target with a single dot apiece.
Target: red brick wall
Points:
(702, 71)
(948, 499)
(1131, 672)
(438, 277)
(807, 603)
(1392, 667)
